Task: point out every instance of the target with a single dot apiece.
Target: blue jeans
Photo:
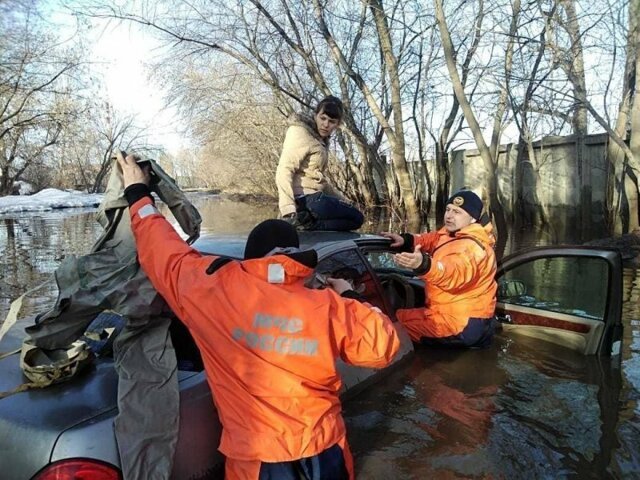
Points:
(477, 334)
(330, 212)
(327, 465)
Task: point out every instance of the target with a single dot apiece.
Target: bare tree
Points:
(528, 78)
(488, 153)
(279, 42)
(623, 160)
(623, 197)
(83, 157)
(35, 73)
(452, 125)
(503, 60)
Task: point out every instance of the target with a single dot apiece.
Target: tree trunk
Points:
(631, 183)
(495, 206)
(579, 118)
(620, 188)
(578, 79)
(443, 178)
(398, 145)
(6, 183)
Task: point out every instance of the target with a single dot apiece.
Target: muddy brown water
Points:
(520, 409)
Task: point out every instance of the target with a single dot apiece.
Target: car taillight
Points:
(79, 469)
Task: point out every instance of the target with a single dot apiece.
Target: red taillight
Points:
(79, 469)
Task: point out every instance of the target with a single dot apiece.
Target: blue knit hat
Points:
(468, 201)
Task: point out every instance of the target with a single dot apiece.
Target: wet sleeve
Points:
(428, 241)
(364, 335)
(164, 256)
(294, 151)
(455, 270)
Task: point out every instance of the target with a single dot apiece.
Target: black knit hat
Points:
(268, 235)
(468, 201)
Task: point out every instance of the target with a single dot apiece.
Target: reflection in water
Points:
(225, 217)
(521, 409)
(33, 244)
(517, 410)
(31, 247)
(628, 455)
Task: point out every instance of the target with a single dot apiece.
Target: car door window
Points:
(570, 285)
(381, 260)
(348, 264)
(570, 296)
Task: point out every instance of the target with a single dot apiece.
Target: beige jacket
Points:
(303, 160)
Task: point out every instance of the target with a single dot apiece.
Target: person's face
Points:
(456, 218)
(326, 125)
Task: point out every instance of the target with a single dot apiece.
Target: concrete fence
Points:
(571, 174)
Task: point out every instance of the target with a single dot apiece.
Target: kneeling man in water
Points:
(458, 266)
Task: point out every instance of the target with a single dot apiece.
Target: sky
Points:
(120, 52)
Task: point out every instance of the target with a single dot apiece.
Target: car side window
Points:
(382, 260)
(348, 264)
(567, 285)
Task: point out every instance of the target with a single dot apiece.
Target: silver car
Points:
(567, 295)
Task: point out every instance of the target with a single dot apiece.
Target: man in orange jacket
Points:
(268, 343)
(458, 266)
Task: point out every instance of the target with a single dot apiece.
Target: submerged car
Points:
(567, 295)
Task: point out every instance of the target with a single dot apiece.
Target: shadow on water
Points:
(520, 409)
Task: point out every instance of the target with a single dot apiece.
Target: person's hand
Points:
(131, 171)
(291, 218)
(340, 285)
(396, 240)
(305, 217)
(410, 260)
(302, 219)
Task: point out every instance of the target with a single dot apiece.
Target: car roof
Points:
(233, 245)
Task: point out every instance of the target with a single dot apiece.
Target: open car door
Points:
(571, 296)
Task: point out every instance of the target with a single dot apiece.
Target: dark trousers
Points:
(330, 213)
(327, 465)
(477, 334)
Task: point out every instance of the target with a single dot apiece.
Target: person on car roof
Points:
(269, 344)
(305, 197)
(458, 266)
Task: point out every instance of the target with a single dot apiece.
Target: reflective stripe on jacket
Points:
(302, 164)
(269, 349)
(459, 285)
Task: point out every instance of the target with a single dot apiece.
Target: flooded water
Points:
(524, 409)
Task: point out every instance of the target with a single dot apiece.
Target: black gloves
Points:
(302, 219)
(425, 266)
(407, 245)
(305, 218)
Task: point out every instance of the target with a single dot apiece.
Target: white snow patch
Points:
(49, 199)
(24, 188)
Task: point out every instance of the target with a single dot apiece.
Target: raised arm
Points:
(166, 258)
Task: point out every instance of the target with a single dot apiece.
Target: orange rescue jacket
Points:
(459, 285)
(269, 349)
